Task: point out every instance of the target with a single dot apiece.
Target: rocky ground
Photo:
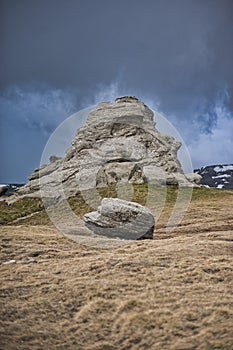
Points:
(173, 292)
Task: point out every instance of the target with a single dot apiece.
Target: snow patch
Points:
(223, 168)
(221, 176)
(220, 186)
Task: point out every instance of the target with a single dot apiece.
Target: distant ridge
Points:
(218, 176)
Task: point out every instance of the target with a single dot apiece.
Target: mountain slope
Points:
(219, 176)
(173, 292)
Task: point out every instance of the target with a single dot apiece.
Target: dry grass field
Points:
(173, 292)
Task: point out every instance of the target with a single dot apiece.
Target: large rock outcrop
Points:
(118, 143)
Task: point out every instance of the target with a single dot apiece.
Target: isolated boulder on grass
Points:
(118, 218)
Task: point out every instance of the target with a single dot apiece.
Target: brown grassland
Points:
(173, 292)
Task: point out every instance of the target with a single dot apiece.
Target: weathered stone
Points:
(117, 218)
(118, 143)
(53, 158)
(193, 178)
(3, 189)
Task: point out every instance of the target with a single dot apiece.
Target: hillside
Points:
(170, 293)
(219, 176)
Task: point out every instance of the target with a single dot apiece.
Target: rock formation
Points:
(118, 143)
(3, 189)
(117, 218)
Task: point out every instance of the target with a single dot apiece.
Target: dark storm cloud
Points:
(175, 48)
(27, 118)
(175, 53)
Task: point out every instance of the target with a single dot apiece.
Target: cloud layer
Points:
(60, 56)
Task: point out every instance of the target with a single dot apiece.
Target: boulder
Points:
(3, 189)
(118, 218)
(194, 178)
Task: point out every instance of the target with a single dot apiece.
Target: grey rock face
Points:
(3, 189)
(194, 178)
(117, 218)
(118, 143)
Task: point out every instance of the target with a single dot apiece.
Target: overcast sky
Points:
(58, 56)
